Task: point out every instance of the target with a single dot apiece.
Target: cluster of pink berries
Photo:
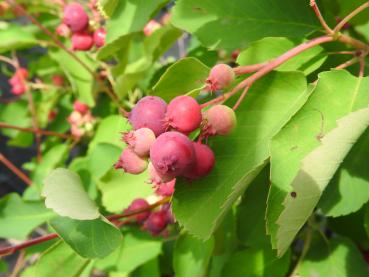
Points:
(81, 119)
(160, 133)
(76, 21)
(18, 81)
(155, 222)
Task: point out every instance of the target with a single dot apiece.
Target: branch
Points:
(15, 170)
(342, 23)
(318, 14)
(248, 68)
(11, 249)
(32, 130)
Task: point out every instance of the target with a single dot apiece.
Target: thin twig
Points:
(18, 265)
(347, 63)
(38, 136)
(241, 98)
(362, 66)
(342, 23)
(15, 170)
(318, 14)
(35, 131)
(307, 242)
(11, 249)
(8, 61)
(240, 70)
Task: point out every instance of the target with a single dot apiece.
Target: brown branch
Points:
(113, 218)
(15, 170)
(347, 63)
(342, 23)
(31, 106)
(318, 14)
(35, 131)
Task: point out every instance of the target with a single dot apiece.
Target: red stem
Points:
(15, 170)
(32, 130)
(11, 249)
(240, 70)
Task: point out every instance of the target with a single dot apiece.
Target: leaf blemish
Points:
(293, 194)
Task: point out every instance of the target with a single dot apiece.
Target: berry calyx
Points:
(220, 77)
(172, 154)
(166, 189)
(205, 160)
(149, 112)
(156, 178)
(80, 107)
(130, 162)
(140, 141)
(183, 114)
(63, 30)
(75, 17)
(99, 37)
(219, 120)
(82, 41)
(139, 204)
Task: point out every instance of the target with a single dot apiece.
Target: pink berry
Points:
(75, 118)
(140, 141)
(99, 37)
(156, 178)
(130, 162)
(184, 114)
(82, 41)
(172, 154)
(75, 17)
(220, 77)
(151, 27)
(18, 89)
(63, 30)
(149, 112)
(139, 204)
(80, 107)
(22, 73)
(57, 80)
(156, 222)
(204, 161)
(166, 189)
(219, 120)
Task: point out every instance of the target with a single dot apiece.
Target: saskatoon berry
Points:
(82, 41)
(220, 76)
(80, 107)
(149, 112)
(156, 222)
(99, 37)
(184, 114)
(156, 178)
(166, 189)
(219, 120)
(140, 141)
(130, 162)
(138, 204)
(57, 80)
(75, 17)
(172, 154)
(151, 27)
(204, 161)
(63, 30)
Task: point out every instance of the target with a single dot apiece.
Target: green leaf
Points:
(81, 80)
(138, 248)
(15, 113)
(339, 258)
(102, 158)
(251, 229)
(267, 49)
(109, 131)
(54, 157)
(191, 256)
(107, 7)
(13, 37)
(271, 102)
(234, 24)
(64, 194)
(19, 217)
(257, 262)
(294, 164)
(3, 266)
(151, 268)
(89, 238)
(119, 189)
(349, 189)
(59, 261)
(186, 75)
(128, 17)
